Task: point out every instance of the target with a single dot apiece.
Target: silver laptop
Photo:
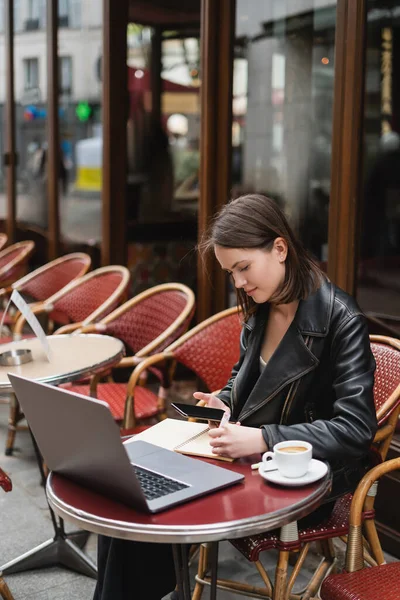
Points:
(78, 438)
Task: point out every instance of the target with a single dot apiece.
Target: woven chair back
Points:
(387, 377)
(13, 256)
(91, 297)
(141, 320)
(54, 276)
(212, 348)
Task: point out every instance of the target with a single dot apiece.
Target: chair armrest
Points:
(354, 553)
(143, 366)
(94, 328)
(70, 328)
(129, 418)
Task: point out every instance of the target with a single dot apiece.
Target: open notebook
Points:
(186, 437)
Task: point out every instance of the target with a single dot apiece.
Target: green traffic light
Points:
(83, 111)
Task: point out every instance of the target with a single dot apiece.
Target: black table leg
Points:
(63, 549)
(181, 561)
(214, 570)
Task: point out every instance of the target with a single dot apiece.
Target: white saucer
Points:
(316, 470)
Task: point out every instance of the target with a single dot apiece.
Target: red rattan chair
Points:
(209, 350)
(44, 282)
(356, 582)
(147, 324)
(5, 483)
(3, 240)
(83, 301)
(13, 261)
(291, 539)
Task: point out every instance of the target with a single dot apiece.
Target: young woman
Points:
(305, 372)
(306, 369)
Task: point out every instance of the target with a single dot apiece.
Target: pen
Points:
(225, 418)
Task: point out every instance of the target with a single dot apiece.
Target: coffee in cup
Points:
(293, 449)
(292, 458)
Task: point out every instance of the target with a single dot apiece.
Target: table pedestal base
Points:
(59, 551)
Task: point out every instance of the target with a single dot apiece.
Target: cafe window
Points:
(65, 75)
(282, 110)
(31, 73)
(378, 289)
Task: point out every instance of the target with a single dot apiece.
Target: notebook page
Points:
(170, 433)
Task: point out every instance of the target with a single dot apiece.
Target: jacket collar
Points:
(313, 314)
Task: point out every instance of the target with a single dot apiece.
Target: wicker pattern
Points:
(148, 319)
(115, 395)
(335, 525)
(7, 257)
(375, 583)
(387, 375)
(84, 299)
(213, 351)
(167, 308)
(44, 282)
(13, 260)
(5, 481)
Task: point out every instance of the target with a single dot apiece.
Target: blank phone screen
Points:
(198, 412)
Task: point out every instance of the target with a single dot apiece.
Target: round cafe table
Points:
(72, 357)
(240, 510)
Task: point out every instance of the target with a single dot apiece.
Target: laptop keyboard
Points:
(155, 485)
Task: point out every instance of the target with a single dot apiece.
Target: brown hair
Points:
(255, 221)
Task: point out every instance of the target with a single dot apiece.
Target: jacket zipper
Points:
(293, 389)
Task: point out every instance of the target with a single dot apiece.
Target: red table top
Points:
(242, 509)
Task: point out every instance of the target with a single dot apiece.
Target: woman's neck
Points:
(286, 311)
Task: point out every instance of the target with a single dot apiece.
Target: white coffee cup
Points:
(291, 458)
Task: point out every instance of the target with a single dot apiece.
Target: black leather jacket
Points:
(317, 386)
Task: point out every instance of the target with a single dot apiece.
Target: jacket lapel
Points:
(292, 359)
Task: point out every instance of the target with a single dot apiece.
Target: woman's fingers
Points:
(202, 396)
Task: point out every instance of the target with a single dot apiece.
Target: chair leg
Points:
(15, 417)
(201, 571)
(5, 590)
(280, 587)
(323, 569)
(372, 537)
(202, 579)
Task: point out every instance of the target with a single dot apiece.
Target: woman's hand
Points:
(235, 442)
(211, 401)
